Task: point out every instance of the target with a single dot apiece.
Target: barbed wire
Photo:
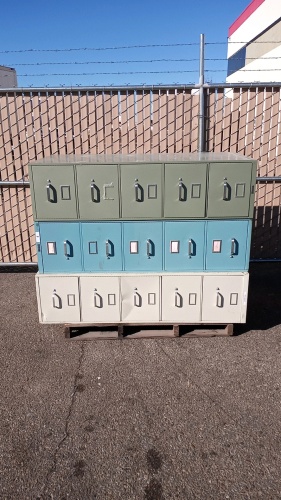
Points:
(137, 61)
(112, 73)
(103, 62)
(121, 47)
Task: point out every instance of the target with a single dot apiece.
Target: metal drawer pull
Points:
(93, 189)
(137, 299)
(225, 191)
(181, 198)
(148, 248)
(65, 249)
(219, 302)
(48, 191)
(57, 304)
(48, 187)
(233, 247)
(98, 302)
(107, 251)
(190, 248)
(178, 299)
(137, 190)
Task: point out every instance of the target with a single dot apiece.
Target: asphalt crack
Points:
(76, 388)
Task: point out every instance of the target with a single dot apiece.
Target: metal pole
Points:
(15, 183)
(201, 130)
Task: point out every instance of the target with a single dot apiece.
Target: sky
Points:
(56, 31)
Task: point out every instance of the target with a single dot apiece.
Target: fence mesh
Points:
(37, 124)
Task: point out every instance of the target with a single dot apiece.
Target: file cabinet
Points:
(155, 246)
(143, 299)
(164, 186)
(143, 238)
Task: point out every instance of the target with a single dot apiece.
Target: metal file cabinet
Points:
(58, 298)
(164, 186)
(100, 299)
(143, 238)
(101, 246)
(58, 247)
(98, 191)
(53, 192)
(227, 245)
(184, 245)
(143, 246)
(213, 245)
(185, 190)
(143, 299)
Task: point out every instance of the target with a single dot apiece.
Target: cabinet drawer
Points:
(58, 299)
(181, 298)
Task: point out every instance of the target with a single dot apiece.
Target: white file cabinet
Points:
(143, 299)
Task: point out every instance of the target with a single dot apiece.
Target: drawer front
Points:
(185, 190)
(141, 188)
(224, 299)
(58, 299)
(184, 245)
(59, 247)
(101, 246)
(54, 192)
(143, 246)
(140, 297)
(229, 191)
(228, 245)
(98, 191)
(181, 298)
(100, 299)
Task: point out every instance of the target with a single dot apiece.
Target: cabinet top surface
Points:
(141, 158)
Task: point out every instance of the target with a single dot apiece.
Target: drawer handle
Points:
(107, 251)
(178, 299)
(233, 247)
(56, 300)
(148, 248)
(137, 190)
(65, 243)
(48, 191)
(225, 191)
(94, 189)
(97, 300)
(137, 299)
(181, 197)
(51, 191)
(190, 248)
(219, 302)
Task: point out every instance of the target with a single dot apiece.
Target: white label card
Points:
(216, 246)
(37, 235)
(174, 246)
(134, 247)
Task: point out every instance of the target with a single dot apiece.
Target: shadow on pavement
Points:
(264, 304)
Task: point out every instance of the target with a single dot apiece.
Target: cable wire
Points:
(101, 48)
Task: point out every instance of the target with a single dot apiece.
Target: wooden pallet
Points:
(129, 331)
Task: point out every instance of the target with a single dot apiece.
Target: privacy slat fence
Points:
(36, 124)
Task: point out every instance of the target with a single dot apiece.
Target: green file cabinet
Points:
(164, 186)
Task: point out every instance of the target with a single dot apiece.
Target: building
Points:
(254, 44)
(8, 78)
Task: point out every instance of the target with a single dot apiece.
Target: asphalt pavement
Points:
(151, 419)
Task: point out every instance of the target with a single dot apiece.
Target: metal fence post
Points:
(201, 125)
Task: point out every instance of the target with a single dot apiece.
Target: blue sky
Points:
(58, 25)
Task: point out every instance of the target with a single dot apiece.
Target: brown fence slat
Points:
(187, 118)
(194, 122)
